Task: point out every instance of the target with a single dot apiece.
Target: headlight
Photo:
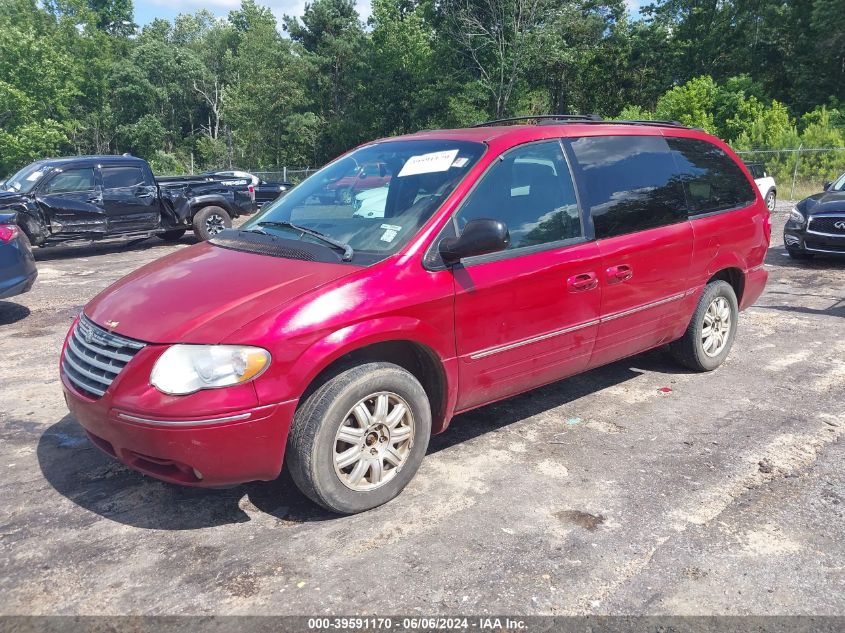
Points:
(184, 369)
(796, 216)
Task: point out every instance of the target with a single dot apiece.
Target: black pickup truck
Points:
(84, 198)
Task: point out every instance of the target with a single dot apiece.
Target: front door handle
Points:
(582, 282)
(620, 273)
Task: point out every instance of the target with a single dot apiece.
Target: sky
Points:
(147, 10)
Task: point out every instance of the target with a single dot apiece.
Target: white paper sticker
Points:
(388, 236)
(391, 227)
(460, 161)
(428, 163)
(34, 176)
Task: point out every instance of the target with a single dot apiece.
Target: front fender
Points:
(292, 375)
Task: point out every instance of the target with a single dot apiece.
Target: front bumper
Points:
(224, 450)
(814, 243)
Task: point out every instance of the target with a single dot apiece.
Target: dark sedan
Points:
(17, 264)
(816, 225)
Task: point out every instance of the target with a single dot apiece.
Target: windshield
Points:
(26, 179)
(373, 199)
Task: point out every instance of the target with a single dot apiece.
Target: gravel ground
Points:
(600, 494)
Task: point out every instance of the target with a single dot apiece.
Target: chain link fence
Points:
(799, 172)
(294, 175)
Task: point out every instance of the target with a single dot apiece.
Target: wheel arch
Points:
(415, 357)
(198, 203)
(733, 276)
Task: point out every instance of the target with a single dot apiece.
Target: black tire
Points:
(172, 236)
(771, 199)
(798, 255)
(310, 453)
(689, 349)
(209, 221)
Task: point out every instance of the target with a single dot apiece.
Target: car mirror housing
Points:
(826, 185)
(479, 237)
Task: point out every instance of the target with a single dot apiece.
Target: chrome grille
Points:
(94, 357)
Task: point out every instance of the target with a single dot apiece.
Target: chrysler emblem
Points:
(840, 225)
(112, 324)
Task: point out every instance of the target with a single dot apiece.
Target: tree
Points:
(494, 38)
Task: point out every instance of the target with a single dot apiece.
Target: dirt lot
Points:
(599, 494)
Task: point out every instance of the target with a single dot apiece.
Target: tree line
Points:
(197, 92)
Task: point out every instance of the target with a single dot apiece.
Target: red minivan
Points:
(510, 255)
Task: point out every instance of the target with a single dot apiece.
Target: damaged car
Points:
(85, 198)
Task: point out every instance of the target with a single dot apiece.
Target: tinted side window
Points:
(630, 183)
(529, 189)
(72, 180)
(117, 177)
(714, 182)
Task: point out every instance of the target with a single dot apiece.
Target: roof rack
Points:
(555, 119)
(580, 118)
(656, 123)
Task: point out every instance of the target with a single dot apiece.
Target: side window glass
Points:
(120, 177)
(531, 191)
(630, 183)
(72, 180)
(713, 180)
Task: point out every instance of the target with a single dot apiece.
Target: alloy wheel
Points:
(716, 327)
(373, 441)
(214, 224)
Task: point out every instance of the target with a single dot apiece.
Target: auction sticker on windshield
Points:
(428, 163)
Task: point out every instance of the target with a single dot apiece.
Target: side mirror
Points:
(479, 237)
(826, 185)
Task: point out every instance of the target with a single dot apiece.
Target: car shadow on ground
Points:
(493, 417)
(96, 482)
(11, 312)
(811, 286)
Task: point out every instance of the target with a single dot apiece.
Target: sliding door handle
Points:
(582, 282)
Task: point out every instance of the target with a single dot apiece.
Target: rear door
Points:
(529, 315)
(129, 198)
(635, 198)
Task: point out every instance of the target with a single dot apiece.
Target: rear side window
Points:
(72, 180)
(713, 181)
(630, 183)
(531, 191)
(119, 177)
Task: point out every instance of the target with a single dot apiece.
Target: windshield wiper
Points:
(346, 248)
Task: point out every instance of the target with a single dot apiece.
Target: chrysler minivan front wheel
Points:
(710, 334)
(357, 440)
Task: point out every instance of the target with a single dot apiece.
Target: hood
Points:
(8, 198)
(203, 293)
(825, 202)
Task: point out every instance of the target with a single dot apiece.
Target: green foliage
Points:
(77, 76)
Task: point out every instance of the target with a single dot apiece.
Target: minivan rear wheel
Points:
(710, 334)
(357, 441)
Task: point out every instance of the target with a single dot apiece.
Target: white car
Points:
(765, 183)
(371, 203)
